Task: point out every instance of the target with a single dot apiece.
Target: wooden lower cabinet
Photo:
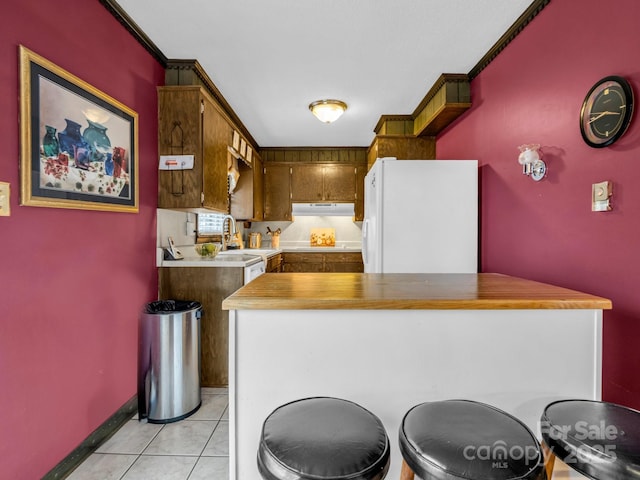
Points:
(303, 262)
(323, 262)
(343, 262)
(209, 286)
(274, 264)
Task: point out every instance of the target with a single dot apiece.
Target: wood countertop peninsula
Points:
(361, 291)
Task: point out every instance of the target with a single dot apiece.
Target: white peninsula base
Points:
(389, 360)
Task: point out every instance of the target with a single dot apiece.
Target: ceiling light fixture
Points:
(328, 111)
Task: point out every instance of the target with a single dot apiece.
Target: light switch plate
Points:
(5, 199)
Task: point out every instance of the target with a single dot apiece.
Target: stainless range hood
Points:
(323, 209)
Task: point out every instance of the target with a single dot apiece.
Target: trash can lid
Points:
(171, 306)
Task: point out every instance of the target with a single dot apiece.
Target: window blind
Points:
(210, 223)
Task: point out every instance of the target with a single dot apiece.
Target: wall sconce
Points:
(328, 111)
(531, 160)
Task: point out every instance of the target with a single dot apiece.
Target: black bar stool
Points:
(323, 438)
(597, 439)
(463, 439)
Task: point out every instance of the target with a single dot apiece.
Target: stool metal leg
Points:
(549, 459)
(406, 473)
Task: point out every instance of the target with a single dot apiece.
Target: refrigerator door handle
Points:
(365, 241)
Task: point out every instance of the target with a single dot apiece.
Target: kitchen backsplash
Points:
(293, 234)
(297, 234)
(172, 223)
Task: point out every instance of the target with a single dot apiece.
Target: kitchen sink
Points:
(248, 251)
(234, 257)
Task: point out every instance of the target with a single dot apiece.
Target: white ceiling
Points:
(271, 58)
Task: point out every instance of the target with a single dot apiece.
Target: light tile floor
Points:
(195, 448)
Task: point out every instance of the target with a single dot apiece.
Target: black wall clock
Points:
(606, 111)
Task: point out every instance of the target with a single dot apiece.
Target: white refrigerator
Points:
(421, 216)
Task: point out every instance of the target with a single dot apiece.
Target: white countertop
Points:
(229, 258)
(338, 249)
(243, 257)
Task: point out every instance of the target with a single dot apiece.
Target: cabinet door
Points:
(303, 262)
(189, 123)
(258, 189)
(180, 132)
(241, 200)
(274, 264)
(339, 183)
(247, 199)
(361, 171)
(277, 196)
(307, 183)
(209, 286)
(343, 262)
(216, 134)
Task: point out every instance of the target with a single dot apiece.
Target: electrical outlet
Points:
(600, 197)
(5, 199)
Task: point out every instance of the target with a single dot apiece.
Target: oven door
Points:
(253, 271)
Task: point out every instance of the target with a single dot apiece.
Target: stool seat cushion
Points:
(323, 438)
(598, 439)
(463, 439)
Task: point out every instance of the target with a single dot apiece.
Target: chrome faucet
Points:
(229, 239)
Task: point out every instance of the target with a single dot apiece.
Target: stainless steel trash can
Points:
(169, 361)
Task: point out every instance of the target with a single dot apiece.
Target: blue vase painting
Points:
(95, 135)
(50, 144)
(108, 164)
(70, 137)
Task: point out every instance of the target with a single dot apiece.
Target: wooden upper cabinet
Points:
(216, 133)
(306, 183)
(339, 183)
(258, 188)
(323, 183)
(361, 172)
(247, 202)
(277, 192)
(189, 123)
(241, 199)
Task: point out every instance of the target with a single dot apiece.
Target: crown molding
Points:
(439, 83)
(432, 116)
(132, 27)
(118, 12)
(385, 119)
(523, 20)
(195, 67)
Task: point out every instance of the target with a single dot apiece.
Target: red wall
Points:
(72, 282)
(532, 93)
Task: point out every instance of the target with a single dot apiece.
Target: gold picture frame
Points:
(63, 166)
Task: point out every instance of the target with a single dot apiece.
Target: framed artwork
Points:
(79, 146)
(236, 141)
